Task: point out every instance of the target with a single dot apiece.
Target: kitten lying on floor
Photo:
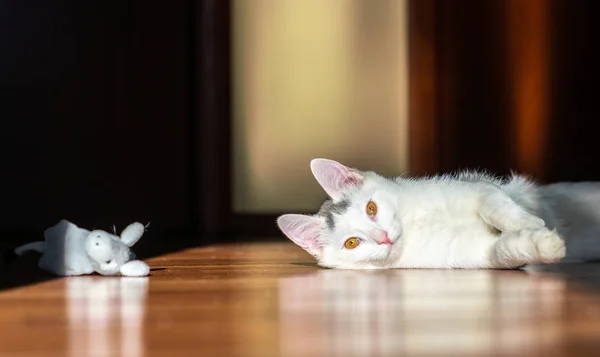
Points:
(469, 220)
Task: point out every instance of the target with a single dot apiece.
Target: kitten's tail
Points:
(570, 202)
(573, 208)
(560, 204)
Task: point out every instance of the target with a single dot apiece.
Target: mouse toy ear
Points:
(132, 233)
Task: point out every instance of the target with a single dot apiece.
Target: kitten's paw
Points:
(530, 222)
(535, 222)
(550, 246)
(529, 246)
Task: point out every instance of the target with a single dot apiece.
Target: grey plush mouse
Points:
(69, 250)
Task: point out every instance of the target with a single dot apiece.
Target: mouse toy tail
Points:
(35, 246)
(10, 255)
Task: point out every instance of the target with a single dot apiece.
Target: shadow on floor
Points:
(585, 274)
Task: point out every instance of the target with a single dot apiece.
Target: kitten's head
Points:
(356, 228)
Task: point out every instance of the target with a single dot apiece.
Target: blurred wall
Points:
(315, 78)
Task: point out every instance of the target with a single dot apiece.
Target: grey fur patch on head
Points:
(329, 208)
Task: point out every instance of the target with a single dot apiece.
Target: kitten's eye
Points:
(351, 243)
(371, 208)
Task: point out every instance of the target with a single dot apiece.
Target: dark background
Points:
(114, 112)
(468, 60)
(119, 111)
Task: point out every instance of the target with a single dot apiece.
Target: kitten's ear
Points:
(334, 177)
(304, 231)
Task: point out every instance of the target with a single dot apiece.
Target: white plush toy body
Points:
(70, 250)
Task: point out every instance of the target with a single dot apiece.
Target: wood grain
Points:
(269, 299)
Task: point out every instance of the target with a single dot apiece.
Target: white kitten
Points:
(468, 220)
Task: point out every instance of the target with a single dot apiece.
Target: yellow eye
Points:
(351, 243)
(371, 208)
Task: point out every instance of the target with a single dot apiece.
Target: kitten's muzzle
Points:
(381, 237)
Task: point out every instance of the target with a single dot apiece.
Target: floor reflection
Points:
(106, 315)
(439, 312)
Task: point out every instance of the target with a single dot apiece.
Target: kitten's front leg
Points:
(500, 211)
(527, 246)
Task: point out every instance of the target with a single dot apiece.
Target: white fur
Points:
(468, 220)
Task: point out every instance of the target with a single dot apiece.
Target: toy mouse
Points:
(69, 250)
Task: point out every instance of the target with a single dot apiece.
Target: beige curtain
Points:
(315, 78)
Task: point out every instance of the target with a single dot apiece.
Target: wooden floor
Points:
(271, 300)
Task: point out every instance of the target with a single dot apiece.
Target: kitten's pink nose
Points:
(381, 237)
